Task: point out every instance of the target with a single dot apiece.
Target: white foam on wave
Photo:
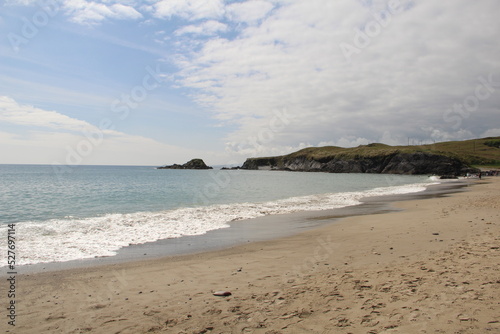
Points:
(438, 179)
(72, 238)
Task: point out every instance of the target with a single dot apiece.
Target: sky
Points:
(123, 82)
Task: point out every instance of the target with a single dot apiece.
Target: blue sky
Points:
(161, 82)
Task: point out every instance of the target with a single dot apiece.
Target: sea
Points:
(65, 213)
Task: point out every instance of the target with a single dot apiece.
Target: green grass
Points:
(478, 152)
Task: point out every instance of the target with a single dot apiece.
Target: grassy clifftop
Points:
(474, 152)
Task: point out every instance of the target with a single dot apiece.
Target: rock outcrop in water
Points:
(192, 164)
(373, 158)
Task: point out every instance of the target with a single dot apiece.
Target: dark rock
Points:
(192, 164)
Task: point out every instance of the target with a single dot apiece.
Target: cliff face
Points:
(393, 163)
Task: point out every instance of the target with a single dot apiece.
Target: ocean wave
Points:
(71, 238)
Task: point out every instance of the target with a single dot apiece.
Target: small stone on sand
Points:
(222, 293)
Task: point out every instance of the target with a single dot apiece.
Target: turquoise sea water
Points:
(89, 211)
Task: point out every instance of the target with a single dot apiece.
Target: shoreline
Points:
(431, 266)
(264, 228)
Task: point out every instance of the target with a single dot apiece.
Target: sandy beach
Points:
(432, 267)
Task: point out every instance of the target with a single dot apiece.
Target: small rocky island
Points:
(191, 164)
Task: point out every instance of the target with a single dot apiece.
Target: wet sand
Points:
(431, 267)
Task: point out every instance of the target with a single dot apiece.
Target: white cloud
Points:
(20, 2)
(419, 62)
(405, 70)
(90, 12)
(125, 12)
(50, 137)
(206, 28)
(59, 148)
(189, 9)
(26, 115)
(249, 11)
(442, 135)
(491, 133)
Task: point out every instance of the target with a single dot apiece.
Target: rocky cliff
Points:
(192, 164)
(373, 158)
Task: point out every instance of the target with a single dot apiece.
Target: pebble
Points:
(222, 293)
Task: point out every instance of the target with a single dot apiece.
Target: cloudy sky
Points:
(162, 81)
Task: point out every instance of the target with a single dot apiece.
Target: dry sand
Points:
(431, 268)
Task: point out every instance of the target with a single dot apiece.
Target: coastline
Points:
(240, 232)
(88, 223)
(402, 270)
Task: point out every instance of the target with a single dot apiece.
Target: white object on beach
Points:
(222, 293)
